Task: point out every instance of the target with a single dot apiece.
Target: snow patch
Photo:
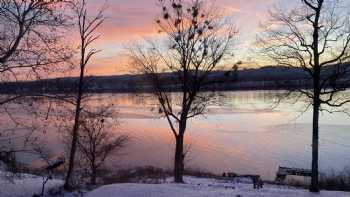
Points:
(197, 187)
(23, 185)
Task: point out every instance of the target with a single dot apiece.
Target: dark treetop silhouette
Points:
(198, 41)
(313, 36)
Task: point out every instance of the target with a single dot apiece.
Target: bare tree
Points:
(31, 46)
(198, 41)
(30, 36)
(30, 43)
(87, 26)
(315, 36)
(97, 140)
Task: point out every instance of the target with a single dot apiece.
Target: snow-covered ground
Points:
(27, 185)
(197, 187)
(23, 185)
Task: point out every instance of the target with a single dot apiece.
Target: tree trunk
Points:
(93, 176)
(93, 168)
(316, 101)
(315, 135)
(68, 184)
(179, 160)
(75, 131)
(315, 132)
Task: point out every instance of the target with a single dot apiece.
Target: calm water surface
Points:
(242, 132)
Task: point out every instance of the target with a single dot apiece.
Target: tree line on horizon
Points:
(263, 78)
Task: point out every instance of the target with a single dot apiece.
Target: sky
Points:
(129, 21)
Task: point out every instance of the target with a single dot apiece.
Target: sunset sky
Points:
(131, 20)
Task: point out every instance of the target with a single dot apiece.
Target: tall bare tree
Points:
(314, 36)
(87, 30)
(198, 41)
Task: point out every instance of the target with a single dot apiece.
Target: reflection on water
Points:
(242, 132)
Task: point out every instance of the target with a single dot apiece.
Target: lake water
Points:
(242, 132)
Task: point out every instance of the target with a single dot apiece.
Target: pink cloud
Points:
(129, 20)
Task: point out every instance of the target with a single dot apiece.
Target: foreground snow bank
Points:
(196, 187)
(23, 185)
(26, 185)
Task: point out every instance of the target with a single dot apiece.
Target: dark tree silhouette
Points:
(30, 46)
(87, 27)
(314, 36)
(97, 141)
(30, 36)
(198, 41)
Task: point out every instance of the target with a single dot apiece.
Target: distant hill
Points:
(265, 78)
